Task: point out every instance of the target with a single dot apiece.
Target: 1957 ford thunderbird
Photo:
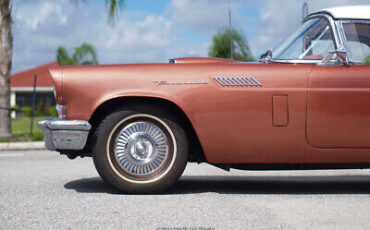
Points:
(303, 105)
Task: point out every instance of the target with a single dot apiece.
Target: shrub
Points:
(27, 110)
(39, 109)
(37, 137)
(367, 60)
(4, 139)
(15, 107)
(52, 111)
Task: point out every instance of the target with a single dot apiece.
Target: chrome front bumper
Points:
(64, 134)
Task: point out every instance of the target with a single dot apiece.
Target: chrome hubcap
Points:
(141, 148)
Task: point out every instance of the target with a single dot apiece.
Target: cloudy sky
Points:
(149, 30)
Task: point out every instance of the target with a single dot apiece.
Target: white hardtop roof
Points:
(348, 12)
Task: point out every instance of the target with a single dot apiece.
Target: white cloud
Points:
(37, 37)
(127, 42)
(203, 16)
(33, 15)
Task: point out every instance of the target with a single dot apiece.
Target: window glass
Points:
(358, 40)
(312, 41)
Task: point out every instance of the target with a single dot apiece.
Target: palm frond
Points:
(114, 7)
(85, 54)
(63, 57)
(229, 39)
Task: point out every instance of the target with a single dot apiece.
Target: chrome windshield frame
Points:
(338, 40)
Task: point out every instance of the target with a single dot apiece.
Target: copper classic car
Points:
(303, 105)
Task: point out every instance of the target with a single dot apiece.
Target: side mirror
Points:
(342, 56)
(266, 56)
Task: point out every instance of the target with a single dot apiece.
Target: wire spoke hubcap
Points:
(141, 149)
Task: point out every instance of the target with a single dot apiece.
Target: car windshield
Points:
(312, 41)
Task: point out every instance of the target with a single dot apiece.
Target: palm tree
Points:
(223, 41)
(6, 52)
(83, 55)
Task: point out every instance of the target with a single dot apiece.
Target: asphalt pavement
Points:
(42, 190)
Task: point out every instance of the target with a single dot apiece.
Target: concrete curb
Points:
(22, 146)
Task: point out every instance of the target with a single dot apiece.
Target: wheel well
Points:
(196, 151)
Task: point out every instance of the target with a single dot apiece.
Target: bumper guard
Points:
(64, 134)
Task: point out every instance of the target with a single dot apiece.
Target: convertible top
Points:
(347, 12)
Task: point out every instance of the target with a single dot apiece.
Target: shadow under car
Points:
(338, 184)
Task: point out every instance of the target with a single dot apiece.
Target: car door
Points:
(338, 107)
(338, 102)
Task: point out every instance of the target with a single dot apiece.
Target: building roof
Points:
(348, 12)
(25, 78)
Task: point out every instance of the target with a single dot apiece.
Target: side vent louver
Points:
(238, 81)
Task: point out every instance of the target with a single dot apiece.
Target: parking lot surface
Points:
(42, 190)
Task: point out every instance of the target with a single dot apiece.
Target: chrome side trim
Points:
(233, 83)
(180, 83)
(64, 134)
(256, 81)
(219, 80)
(295, 61)
(247, 81)
(238, 81)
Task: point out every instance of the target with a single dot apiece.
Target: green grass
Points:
(21, 126)
(21, 130)
(4, 139)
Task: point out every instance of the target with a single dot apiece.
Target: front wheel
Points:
(140, 150)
